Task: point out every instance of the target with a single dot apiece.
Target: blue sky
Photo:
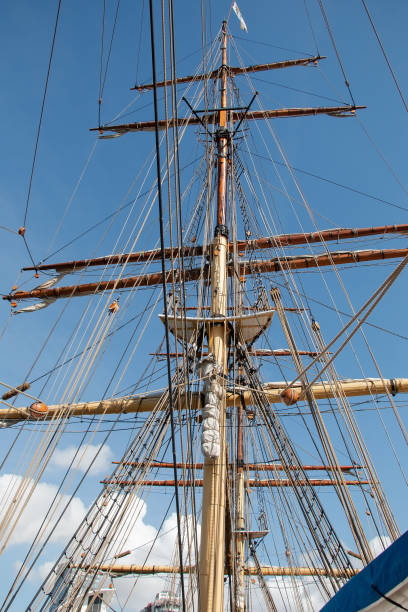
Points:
(338, 149)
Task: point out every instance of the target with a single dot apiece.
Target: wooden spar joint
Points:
(12, 392)
(38, 410)
(13, 304)
(290, 396)
(21, 231)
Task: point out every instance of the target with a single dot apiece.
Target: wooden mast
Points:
(240, 514)
(212, 547)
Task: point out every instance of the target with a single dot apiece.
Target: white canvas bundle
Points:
(210, 423)
(210, 411)
(212, 398)
(53, 281)
(209, 370)
(46, 301)
(38, 306)
(206, 366)
(214, 387)
(210, 436)
(210, 449)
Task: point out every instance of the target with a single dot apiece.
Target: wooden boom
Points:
(233, 71)
(151, 402)
(278, 241)
(211, 118)
(249, 570)
(256, 467)
(254, 352)
(270, 482)
(245, 268)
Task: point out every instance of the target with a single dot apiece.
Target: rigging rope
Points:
(326, 180)
(326, 21)
(101, 61)
(385, 56)
(163, 265)
(40, 124)
(311, 27)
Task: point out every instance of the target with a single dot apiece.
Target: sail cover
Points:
(382, 586)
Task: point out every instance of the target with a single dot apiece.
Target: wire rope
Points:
(41, 117)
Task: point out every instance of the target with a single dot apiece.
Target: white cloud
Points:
(294, 594)
(44, 569)
(378, 544)
(35, 509)
(309, 597)
(63, 457)
(149, 547)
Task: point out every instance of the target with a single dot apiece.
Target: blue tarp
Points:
(382, 575)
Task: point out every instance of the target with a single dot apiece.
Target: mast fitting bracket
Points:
(221, 230)
(222, 133)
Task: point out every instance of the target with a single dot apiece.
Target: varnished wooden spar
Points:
(233, 71)
(211, 118)
(148, 403)
(280, 240)
(267, 570)
(270, 482)
(13, 392)
(254, 352)
(144, 280)
(256, 467)
(214, 503)
(245, 269)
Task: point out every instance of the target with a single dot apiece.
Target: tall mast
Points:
(240, 513)
(212, 548)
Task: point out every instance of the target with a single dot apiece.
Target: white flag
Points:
(240, 17)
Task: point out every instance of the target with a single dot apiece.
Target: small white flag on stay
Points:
(240, 17)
